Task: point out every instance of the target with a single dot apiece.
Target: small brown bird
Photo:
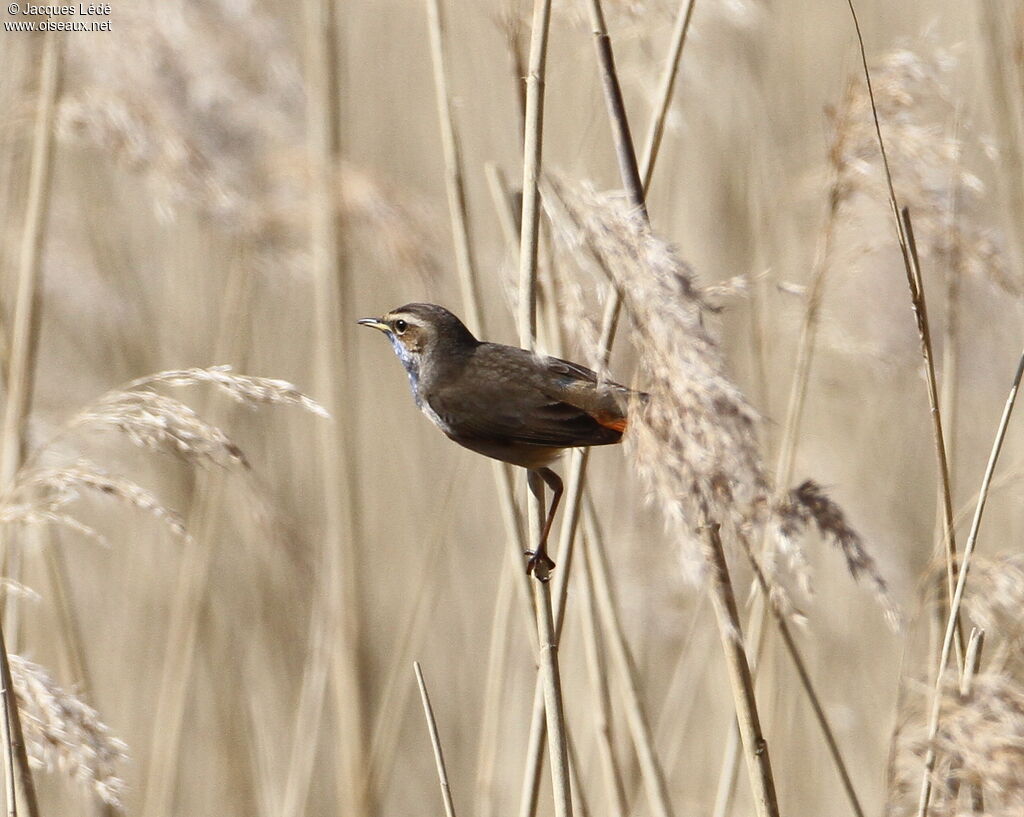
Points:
(503, 402)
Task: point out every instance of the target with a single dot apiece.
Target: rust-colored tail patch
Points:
(612, 421)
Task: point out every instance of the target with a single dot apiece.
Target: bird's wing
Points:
(522, 398)
(604, 400)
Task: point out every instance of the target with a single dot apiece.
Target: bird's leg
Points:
(540, 564)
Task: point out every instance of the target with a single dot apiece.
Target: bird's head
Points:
(418, 330)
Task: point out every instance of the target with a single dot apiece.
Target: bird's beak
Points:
(376, 324)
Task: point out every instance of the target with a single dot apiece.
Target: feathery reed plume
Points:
(34, 515)
(161, 423)
(695, 440)
(808, 504)
(915, 108)
(996, 596)
(980, 743)
(58, 487)
(214, 124)
(245, 389)
(61, 732)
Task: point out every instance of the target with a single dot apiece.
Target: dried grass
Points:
(65, 734)
(214, 125)
(695, 440)
(929, 145)
(980, 742)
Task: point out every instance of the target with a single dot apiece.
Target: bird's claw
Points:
(539, 564)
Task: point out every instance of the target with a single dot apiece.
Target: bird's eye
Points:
(400, 326)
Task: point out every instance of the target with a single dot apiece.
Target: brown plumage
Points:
(501, 401)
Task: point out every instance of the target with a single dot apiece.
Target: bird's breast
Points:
(435, 418)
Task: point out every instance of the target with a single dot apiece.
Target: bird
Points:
(506, 403)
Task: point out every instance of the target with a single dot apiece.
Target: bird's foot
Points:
(539, 564)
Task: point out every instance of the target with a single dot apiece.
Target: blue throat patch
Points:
(411, 364)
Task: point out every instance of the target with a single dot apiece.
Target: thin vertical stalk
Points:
(755, 747)
(494, 690)
(610, 773)
(904, 236)
(609, 326)
(528, 256)
(323, 632)
(338, 553)
(23, 343)
(972, 664)
(954, 609)
(728, 775)
(665, 91)
(190, 589)
(19, 382)
(454, 176)
(920, 305)
(393, 699)
(550, 676)
(624, 151)
(10, 784)
(24, 330)
(564, 557)
(532, 150)
(805, 681)
(435, 742)
(636, 718)
(16, 756)
(466, 268)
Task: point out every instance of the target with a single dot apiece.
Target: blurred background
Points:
(236, 182)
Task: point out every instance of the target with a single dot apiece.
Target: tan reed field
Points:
(228, 534)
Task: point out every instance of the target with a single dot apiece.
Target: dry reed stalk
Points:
(466, 268)
(511, 23)
(18, 774)
(955, 272)
(755, 747)
(679, 454)
(494, 690)
(627, 158)
(23, 343)
(532, 150)
(454, 184)
(911, 263)
(603, 717)
(527, 319)
(728, 774)
(435, 742)
(563, 557)
(624, 150)
(10, 764)
(917, 299)
(813, 698)
(972, 538)
(19, 380)
(393, 701)
(10, 710)
(339, 552)
(636, 718)
(309, 710)
(1006, 106)
(557, 738)
(972, 666)
(155, 422)
(656, 130)
(845, 152)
